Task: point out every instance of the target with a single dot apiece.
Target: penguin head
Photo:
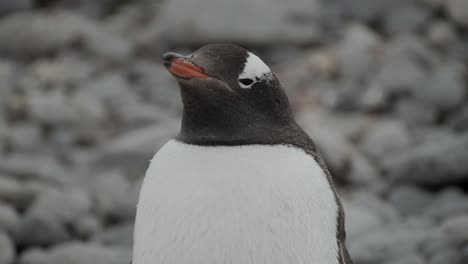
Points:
(227, 86)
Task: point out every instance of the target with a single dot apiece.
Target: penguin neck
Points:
(212, 125)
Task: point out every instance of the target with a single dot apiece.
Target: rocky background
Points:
(84, 104)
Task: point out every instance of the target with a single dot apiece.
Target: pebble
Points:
(445, 87)
(38, 231)
(385, 138)
(7, 253)
(432, 163)
(8, 219)
(456, 227)
(78, 253)
(457, 10)
(410, 200)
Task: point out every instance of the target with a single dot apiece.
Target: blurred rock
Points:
(408, 16)
(459, 120)
(117, 236)
(448, 256)
(445, 88)
(356, 53)
(86, 226)
(115, 197)
(8, 219)
(39, 231)
(205, 21)
(448, 203)
(132, 151)
(361, 171)
(415, 113)
(409, 200)
(384, 138)
(441, 34)
(456, 227)
(64, 207)
(360, 220)
(54, 31)
(78, 253)
(52, 108)
(458, 11)
(433, 163)
(388, 243)
(411, 259)
(11, 6)
(7, 253)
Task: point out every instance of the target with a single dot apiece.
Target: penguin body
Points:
(242, 183)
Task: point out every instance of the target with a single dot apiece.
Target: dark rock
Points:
(8, 219)
(409, 200)
(116, 236)
(7, 253)
(11, 6)
(40, 231)
(433, 163)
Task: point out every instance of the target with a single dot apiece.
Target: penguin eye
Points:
(246, 82)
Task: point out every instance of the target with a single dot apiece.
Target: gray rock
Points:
(399, 75)
(8, 219)
(11, 191)
(356, 54)
(7, 253)
(11, 6)
(361, 171)
(459, 120)
(64, 71)
(448, 203)
(384, 138)
(406, 17)
(62, 206)
(433, 163)
(410, 200)
(449, 256)
(55, 31)
(33, 167)
(115, 196)
(24, 138)
(153, 83)
(78, 253)
(116, 236)
(411, 259)
(212, 21)
(387, 244)
(360, 220)
(458, 11)
(367, 10)
(40, 231)
(415, 113)
(456, 227)
(441, 34)
(445, 87)
(52, 108)
(388, 214)
(86, 226)
(133, 150)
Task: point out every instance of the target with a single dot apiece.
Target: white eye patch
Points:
(254, 71)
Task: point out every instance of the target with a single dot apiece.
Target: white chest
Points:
(235, 205)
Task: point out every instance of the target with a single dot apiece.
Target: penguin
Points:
(242, 183)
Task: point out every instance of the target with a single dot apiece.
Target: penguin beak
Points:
(182, 66)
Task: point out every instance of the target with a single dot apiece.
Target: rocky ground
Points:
(381, 85)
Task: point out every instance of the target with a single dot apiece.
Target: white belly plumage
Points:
(253, 204)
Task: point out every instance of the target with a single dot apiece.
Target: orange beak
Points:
(182, 67)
